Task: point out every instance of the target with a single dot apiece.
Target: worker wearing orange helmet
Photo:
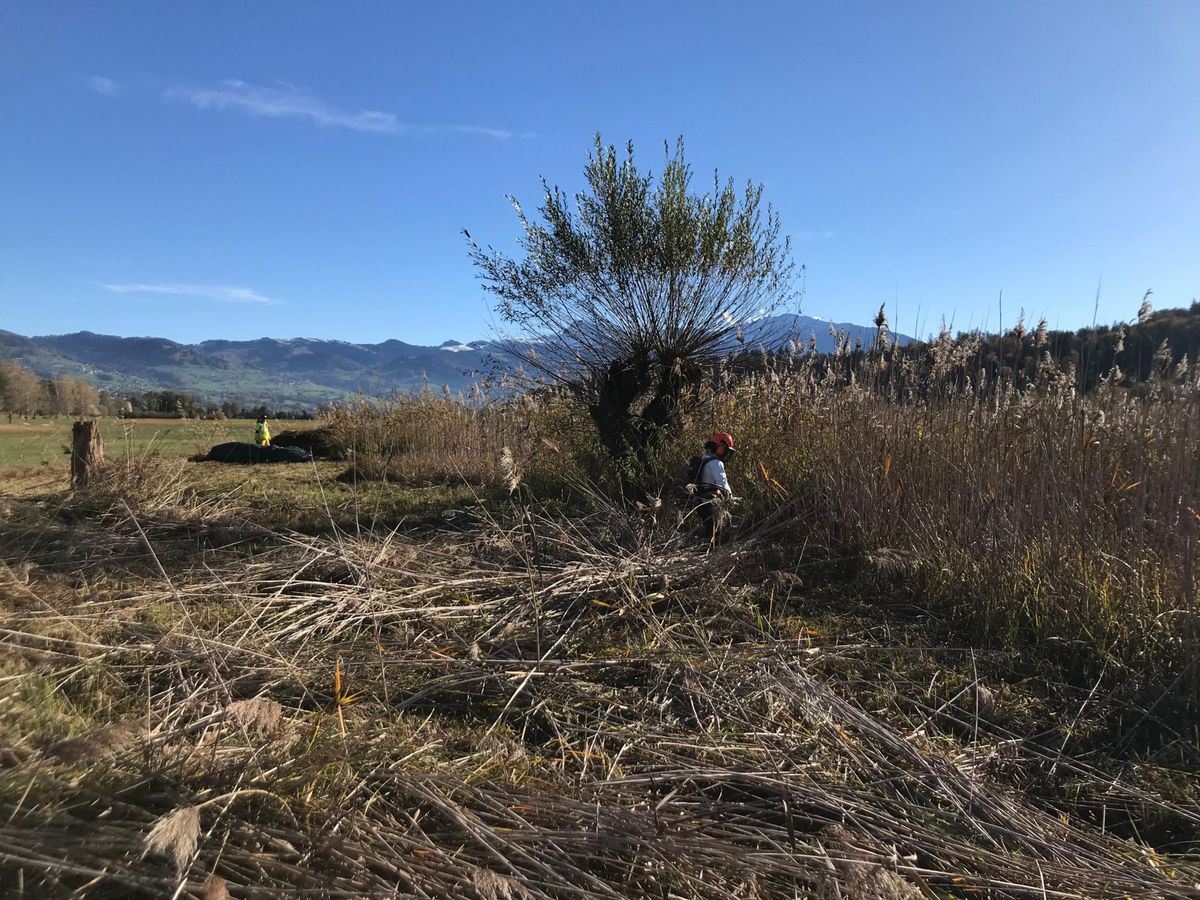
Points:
(711, 484)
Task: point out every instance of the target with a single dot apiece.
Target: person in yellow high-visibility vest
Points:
(262, 434)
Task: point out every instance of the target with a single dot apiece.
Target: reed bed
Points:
(1067, 523)
(433, 438)
(1028, 511)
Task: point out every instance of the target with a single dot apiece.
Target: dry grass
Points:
(438, 439)
(1065, 525)
(1041, 517)
(1032, 515)
(531, 706)
(924, 667)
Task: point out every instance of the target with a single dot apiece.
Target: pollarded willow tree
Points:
(630, 293)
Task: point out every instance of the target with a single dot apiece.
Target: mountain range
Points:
(305, 372)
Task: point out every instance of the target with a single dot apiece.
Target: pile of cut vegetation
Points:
(535, 707)
(243, 453)
(321, 442)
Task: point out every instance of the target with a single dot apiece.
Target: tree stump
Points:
(87, 453)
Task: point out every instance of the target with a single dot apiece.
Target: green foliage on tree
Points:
(628, 291)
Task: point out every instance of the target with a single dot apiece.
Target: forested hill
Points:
(298, 372)
(1134, 348)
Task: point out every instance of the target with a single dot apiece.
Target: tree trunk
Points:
(87, 453)
(637, 409)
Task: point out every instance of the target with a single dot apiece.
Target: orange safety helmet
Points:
(723, 441)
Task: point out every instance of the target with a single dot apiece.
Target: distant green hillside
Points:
(299, 372)
(46, 361)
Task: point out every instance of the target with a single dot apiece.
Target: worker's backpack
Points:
(695, 467)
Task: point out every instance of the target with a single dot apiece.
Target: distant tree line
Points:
(169, 404)
(24, 393)
(1139, 350)
(1126, 354)
(233, 409)
(1132, 352)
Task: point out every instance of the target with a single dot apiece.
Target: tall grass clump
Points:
(1035, 513)
(436, 438)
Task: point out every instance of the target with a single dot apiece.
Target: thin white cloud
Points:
(812, 234)
(498, 133)
(222, 293)
(104, 85)
(286, 101)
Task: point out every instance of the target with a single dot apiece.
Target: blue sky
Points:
(210, 169)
